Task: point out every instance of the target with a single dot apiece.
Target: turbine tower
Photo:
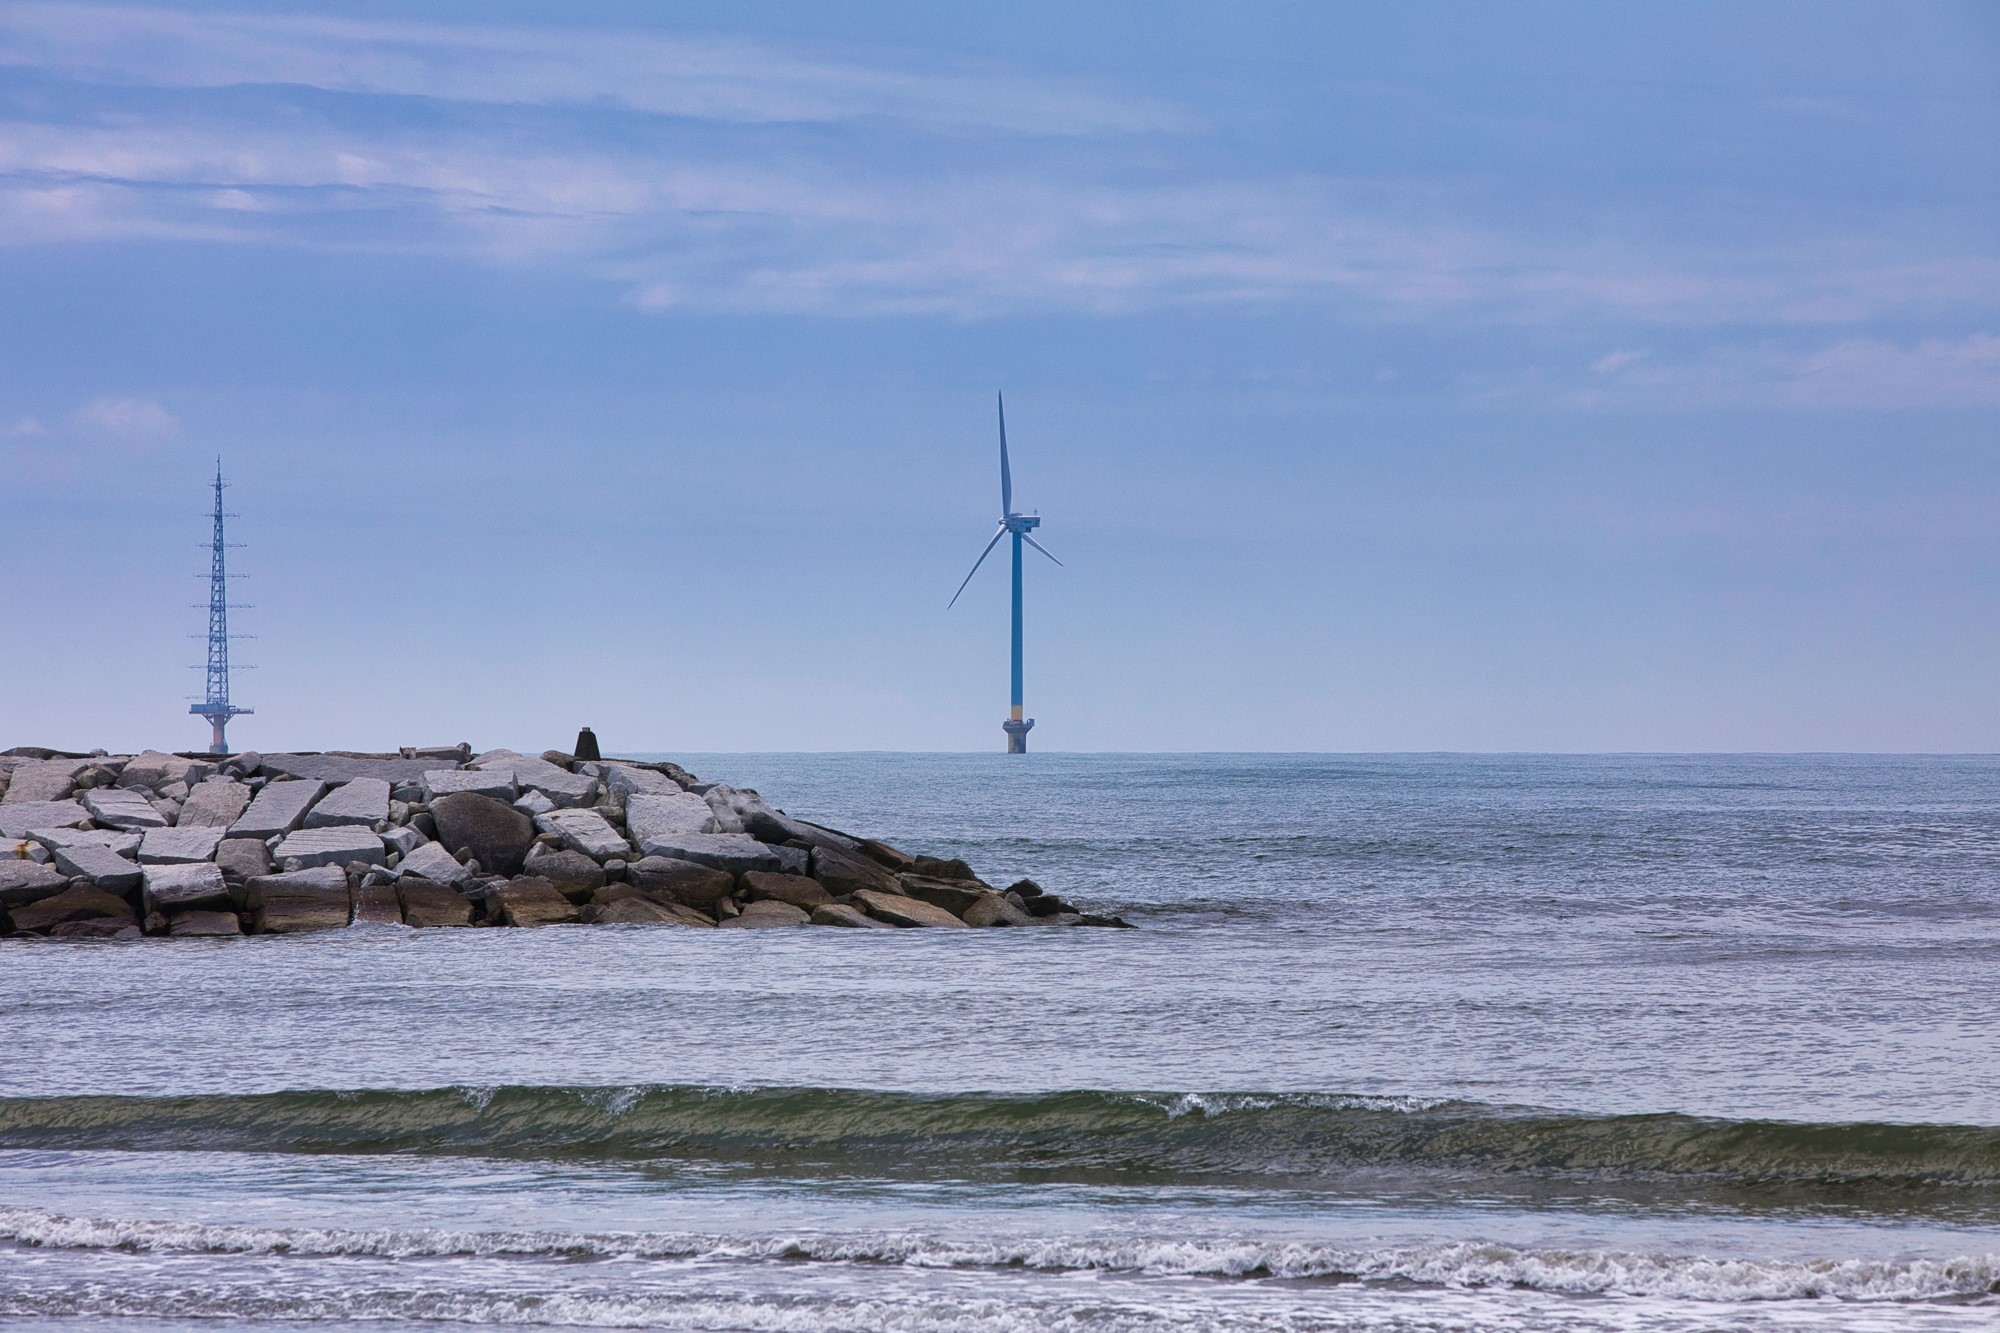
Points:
(1019, 526)
(216, 707)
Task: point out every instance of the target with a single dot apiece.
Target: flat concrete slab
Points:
(585, 831)
(119, 808)
(279, 808)
(178, 846)
(331, 847)
(362, 801)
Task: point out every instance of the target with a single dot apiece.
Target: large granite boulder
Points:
(494, 832)
(47, 780)
(23, 882)
(995, 910)
(432, 862)
(898, 910)
(427, 904)
(629, 780)
(794, 889)
(278, 809)
(115, 807)
(79, 903)
(687, 882)
(364, 801)
(17, 821)
(302, 900)
(101, 866)
(153, 770)
(498, 786)
(954, 896)
(341, 845)
(174, 888)
(179, 846)
(215, 803)
(122, 841)
(585, 831)
(734, 852)
(530, 902)
(575, 875)
(242, 859)
(666, 815)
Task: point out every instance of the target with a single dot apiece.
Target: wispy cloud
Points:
(710, 78)
(134, 420)
(1849, 373)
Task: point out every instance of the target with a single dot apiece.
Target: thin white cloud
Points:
(710, 78)
(136, 420)
(1852, 373)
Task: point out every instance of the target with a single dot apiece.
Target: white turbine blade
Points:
(1006, 477)
(1039, 547)
(977, 563)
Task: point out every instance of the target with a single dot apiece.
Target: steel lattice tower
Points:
(216, 706)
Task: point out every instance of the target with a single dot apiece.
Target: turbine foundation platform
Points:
(1017, 734)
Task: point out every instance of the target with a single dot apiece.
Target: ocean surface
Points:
(1403, 1043)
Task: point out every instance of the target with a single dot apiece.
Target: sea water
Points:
(1400, 1043)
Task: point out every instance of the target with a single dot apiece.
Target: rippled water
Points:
(1413, 1042)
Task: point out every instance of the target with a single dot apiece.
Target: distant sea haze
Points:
(1420, 1042)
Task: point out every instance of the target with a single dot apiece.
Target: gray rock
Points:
(450, 782)
(101, 866)
(840, 914)
(585, 831)
(47, 780)
(119, 808)
(534, 803)
(726, 818)
(23, 882)
(995, 910)
(362, 801)
(153, 770)
(180, 887)
(279, 808)
(846, 872)
(898, 910)
(430, 905)
(339, 846)
(432, 862)
(793, 860)
(628, 781)
(766, 915)
(494, 833)
(177, 846)
(667, 815)
(200, 923)
(954, 896)
(213, 804)
(242, 858)
(122, 841)
(402, 840)
(734, 852)
(343, 768)
(16, 821)
(686, 882)
(575, 875)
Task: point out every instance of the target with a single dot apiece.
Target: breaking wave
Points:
(1464, 1264)
(1075, 1136)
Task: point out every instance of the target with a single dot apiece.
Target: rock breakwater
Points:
(174, 845)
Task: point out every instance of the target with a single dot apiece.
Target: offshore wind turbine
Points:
(1018, 526)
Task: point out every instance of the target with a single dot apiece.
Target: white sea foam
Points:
(1459, 1265)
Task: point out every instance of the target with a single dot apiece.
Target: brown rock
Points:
(883, 854)
(899, 910)
(954, 896)
(376, 903)
(668, 877)
(529, 902)
(638, 909)
(23, 882)
(98, 928)
(794, 889)
(81, 903)
(994, 910)
(844, 872)
(840, 914)
(427, 904)
(932, 868)
(184, 925)
(766, 914)
(495, 833)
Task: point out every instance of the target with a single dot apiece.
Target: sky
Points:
(1402, 376)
